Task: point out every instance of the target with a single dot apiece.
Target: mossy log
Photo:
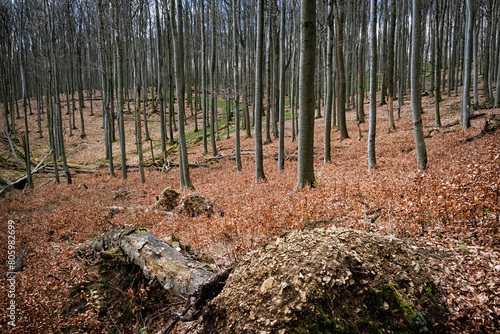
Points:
(180, 275)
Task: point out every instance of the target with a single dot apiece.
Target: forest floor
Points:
(451, 209)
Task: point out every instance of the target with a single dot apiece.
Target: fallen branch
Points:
(431, 133)
(36, 169)
(451, 124)
(12, 148)
(490, 125)
(222, 156)
(168, 165)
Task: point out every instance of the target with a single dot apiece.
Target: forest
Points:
(230, 166)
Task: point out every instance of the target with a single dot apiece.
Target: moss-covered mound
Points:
(329, 281)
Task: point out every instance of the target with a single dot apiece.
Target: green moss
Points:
(394, 298)
(322, 323)
(400, 316)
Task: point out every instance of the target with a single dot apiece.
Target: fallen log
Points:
(168, 165)
(227, 155)
(180, 275)
(37, 168)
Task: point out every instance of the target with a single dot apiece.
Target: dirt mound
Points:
(193, 205)
(329, 281)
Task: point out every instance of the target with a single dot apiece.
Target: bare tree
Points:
(259, 59)
(177, 32)
(416, 102)
(467, 65)
(281, 149)
(305, 168)
(236, 91)
(373, 84)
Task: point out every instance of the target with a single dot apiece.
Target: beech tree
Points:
(467, 65)
(66, 56)
(373, 85)
(178, 37)
(258, 105)
(416, 98)
(305, 168)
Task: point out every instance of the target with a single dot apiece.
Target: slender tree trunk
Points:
(236, 91)
(259, 59)
(341, 99)
(177, 30)
(437, 68)
(119, 76)
(305, 168)
(329, 88)
(361, 69)
(269, 97)
(475, 42)
(416, 103)
(390, 66)
(486, 57)
(105, 97)
(213, 94)
(372, 160)
(467, 65)
(281, 150)
(24, 89)
(203, 79)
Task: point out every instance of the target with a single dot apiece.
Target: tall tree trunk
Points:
(305, 168)
(416, 102)
(177, 31)
(372, 160)
(281, 149)
(438, 53)
(390, 66)
(486, 58)
(105, 97)
(269, 86)
(163, 125)
(119, 76)
(361, 69)
(203, 79)
(213, 94)
(259, 59)
(329, 88)
(467, 65)
(339, 52)
(475, 42)
(236, 91)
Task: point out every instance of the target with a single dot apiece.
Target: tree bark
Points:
(339, 52)
(281, 150)
(176, 273)
(236, 91)
(467, 65)
(372, 160)
(329, 88)
(177, 31)
(416, 102)
(390, 67)
(259, 58)
(305, 168)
